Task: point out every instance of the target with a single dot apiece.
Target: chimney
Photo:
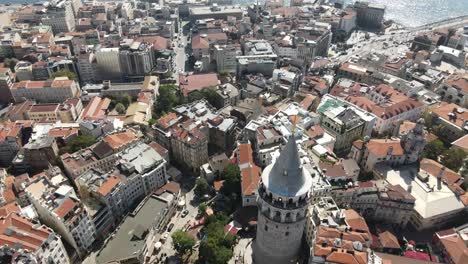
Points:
(439, 178)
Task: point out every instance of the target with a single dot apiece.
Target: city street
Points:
(179, 221)
(180, 44)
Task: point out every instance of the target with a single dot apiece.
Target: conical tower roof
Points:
(286, 177)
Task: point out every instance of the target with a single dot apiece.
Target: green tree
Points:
(433, 150)
(232, 183)
(195, 96)
(64, 73)
(10, 63)
(217, 248)
(209, 94)
(202, 208)
(427, 116)
(126, 100)
(167, 99)
(78, 143)
(453, 158)
(201, 187)
(182, 242)
(120, 108)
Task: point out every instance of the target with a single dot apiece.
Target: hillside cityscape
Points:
(227, 132)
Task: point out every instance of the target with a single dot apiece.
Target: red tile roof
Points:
(197, 82)
(250, 179)
(160, 149)
(356, 221)
(44, 108)
(9, 130)
(63, 132)
(22, 233)
(389, 240)
(108, 185)
(244, 154)
(161, 43)
(120, 139)
(444, 110)
(66, 207)
(96, 108)
(456, 249)
(9, 208)
(200, 43)
(380, 147)
(458, 81)
(433, 167)
(167, 121)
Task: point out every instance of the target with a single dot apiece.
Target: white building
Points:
(60, 17)
(144, 161)
(225, 57)
(127, 10)
(439, 199)
(455, 90)
(60, 208)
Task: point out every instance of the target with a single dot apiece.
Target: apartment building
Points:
(10, 142)
(220, 129)
(379, 201)
(189, 145)
(108, 64)
(455, 90)
(136, 58)
(60, 16)
(6, 81)
(225, 57)
(66, 112)
(453, 120)
(59, 208)
(40, 152)
(27, 241)
(101, 156)
(369, 15)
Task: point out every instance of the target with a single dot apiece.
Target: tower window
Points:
(266, 228)
(287, 234)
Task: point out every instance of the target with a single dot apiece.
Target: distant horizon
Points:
(409, 13)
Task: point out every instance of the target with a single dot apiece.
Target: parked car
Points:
(184, 213)
(169, 228)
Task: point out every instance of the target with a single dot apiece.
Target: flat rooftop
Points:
(130, 237)
(208, 10)
(430, 199)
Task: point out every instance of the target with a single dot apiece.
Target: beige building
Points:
(379, 201)
(391, 152)
(67, 112)
(51, 91)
